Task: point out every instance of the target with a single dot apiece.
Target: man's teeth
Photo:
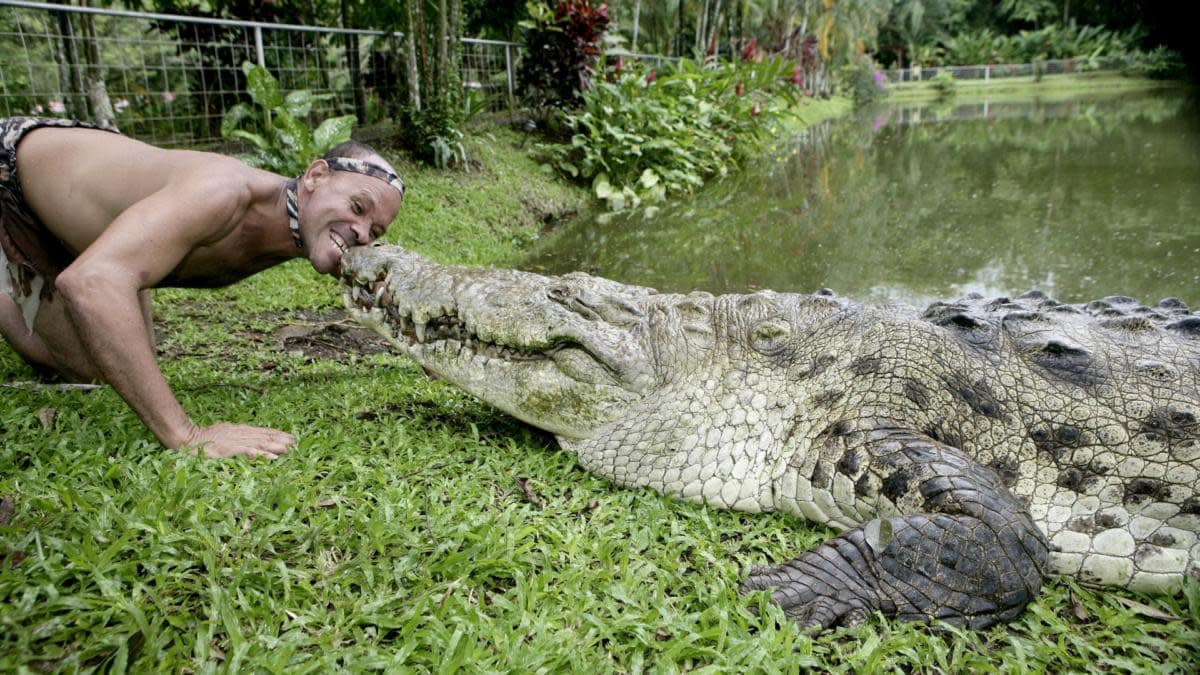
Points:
(338, 241)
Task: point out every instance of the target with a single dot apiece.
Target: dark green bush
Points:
(562, 48)
(861, 81)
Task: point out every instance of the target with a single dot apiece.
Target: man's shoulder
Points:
(221, 180)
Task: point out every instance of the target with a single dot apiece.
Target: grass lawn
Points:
(1047, 87)
(414, 528)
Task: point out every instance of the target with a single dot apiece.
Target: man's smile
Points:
(339, 242)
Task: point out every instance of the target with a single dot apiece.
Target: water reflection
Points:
(1082, 198)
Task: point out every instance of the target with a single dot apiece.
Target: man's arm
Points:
(100, 290)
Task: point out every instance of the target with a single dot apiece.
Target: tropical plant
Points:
(646, 135)
(945, 84)
(862, 81)
(1159, 63)
(278, 129)
(562, 47)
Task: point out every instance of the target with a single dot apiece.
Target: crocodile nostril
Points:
(562, 294)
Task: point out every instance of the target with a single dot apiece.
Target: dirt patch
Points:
(327, 335)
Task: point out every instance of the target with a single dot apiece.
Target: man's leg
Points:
(16, 333)
(53, 329)
(56, 332)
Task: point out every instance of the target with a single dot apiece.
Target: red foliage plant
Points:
(562, 51)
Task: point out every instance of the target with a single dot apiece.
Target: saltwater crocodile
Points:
(964, 451)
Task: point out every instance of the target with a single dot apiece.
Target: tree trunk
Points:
(637, 15)
(417, 27)
(74, 100)
(679, 31)
(410, 43)
(455, 44)
(356, 84)
(97, 91)
(442, 51)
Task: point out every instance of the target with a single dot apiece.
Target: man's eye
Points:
(357, 208)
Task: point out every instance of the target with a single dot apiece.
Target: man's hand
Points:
(240, 440)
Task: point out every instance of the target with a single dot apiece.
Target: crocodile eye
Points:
(770, 337)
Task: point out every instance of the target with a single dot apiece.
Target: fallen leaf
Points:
(7, 508)
(592, 505)
(662, 634)
(327, 502)
(1077, 608)
(291, 615)
(523, 483)
(46, 417)
(1148, 611)
(449, 591)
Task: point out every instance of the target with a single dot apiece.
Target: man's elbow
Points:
(79, 286)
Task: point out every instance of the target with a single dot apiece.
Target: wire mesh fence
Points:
(170, 79)
(1000, 70)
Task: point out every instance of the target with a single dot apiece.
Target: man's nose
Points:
(362, 232)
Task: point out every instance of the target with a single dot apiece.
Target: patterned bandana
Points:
(336, 164)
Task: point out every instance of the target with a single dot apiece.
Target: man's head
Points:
(346, 198)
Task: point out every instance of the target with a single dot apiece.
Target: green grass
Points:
(397, 536)
(1050, 87)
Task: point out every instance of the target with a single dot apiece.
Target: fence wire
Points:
(1001, 70)
(171, 79)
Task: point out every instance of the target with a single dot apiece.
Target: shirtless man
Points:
(91, 220)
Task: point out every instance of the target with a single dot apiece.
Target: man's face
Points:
(343, 209)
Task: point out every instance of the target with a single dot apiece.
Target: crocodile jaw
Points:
(504, 336)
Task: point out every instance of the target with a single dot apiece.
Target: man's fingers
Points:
(255, 453)
(241, 440)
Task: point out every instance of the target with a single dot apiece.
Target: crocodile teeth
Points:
(420, 329)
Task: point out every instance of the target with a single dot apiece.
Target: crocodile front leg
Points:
(962, 549)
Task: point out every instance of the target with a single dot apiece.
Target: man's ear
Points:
(316, 172)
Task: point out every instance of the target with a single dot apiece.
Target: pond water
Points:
(1081, 198)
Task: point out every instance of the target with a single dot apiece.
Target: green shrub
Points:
(1055, 41)
(945, 84)
(278, 130)
(643, 136)
(861, 81)
(429, 105)
(562, 48)
(1158, 63)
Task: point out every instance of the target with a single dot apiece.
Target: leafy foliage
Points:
(562, 47)
(644, 136)
(862, 81)
(1158, 63)
(1051, 42)
(945, 84)
(430, 104)
(279, 130)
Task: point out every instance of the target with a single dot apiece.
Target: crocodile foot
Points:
(921, 567)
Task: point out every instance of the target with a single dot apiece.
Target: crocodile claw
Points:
(814, 603)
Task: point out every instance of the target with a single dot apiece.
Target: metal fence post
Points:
(508, 66)
(258, 47)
